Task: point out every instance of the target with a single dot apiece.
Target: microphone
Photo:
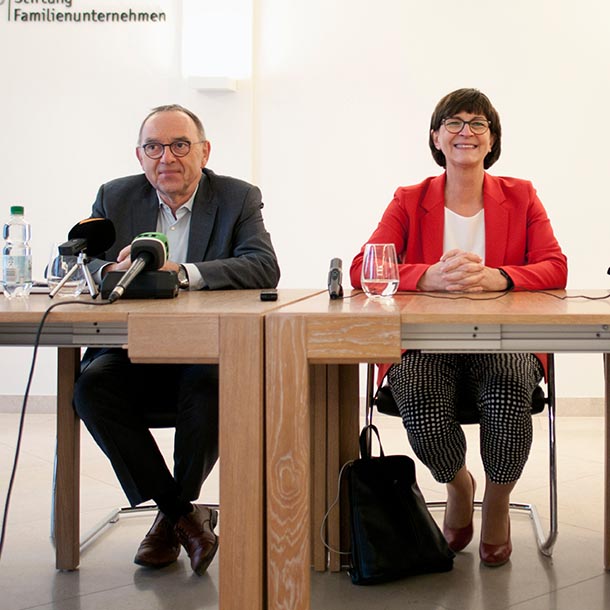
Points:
(95, 235)
(149, 251)
(91, 236)
(335, 277)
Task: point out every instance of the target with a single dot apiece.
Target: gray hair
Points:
(174, 108)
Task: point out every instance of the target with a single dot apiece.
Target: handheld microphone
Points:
(93, 235)
(149, 251)
(335, 277)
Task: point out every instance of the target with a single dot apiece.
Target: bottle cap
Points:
(17, 209)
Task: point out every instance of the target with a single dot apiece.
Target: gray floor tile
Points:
(107, 579)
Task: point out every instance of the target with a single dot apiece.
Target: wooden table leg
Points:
(320, 443)
(288, 464)
(67, 478)
(333, 465)
(336, 417)
(344, 408)
(349, 417)
(606, 457)
(241, 440)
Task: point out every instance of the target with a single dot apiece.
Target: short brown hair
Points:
(174, 108)
(474, 102)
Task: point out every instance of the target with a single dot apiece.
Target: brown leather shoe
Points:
(195, 532)
(160, 546)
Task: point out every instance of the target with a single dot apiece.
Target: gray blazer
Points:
(227, 241)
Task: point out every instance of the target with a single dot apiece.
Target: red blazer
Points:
(518, 234)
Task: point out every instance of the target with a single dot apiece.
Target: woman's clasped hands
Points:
(461, 271)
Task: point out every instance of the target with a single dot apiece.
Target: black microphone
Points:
(148, 252)
(93, 235)
(335, 277)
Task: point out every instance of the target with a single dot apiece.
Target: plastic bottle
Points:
(17, 255)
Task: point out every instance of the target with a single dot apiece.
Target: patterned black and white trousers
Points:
(425, 388)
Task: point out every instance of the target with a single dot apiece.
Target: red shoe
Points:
(495, 555)
(458, 538)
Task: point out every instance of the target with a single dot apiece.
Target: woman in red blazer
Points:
(467, 231)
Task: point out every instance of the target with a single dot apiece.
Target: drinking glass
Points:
(379, 270)
(59, 266)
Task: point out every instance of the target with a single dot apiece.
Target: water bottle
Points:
(17, 255)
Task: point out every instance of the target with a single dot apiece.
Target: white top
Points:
(465, 232)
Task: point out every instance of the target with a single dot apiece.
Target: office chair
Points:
(153, 420)
(468, 414)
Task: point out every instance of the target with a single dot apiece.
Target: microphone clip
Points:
(73, 247)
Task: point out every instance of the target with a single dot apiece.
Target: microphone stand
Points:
(79, 264)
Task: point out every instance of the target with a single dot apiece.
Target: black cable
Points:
(24, 405)
(447, 296)
(565, 297)
(456, 297)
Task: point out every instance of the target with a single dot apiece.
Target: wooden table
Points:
(224, 327)
(312, 350)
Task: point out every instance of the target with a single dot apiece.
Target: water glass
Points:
(59, 266)
(379, 270)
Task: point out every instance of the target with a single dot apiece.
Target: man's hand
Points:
(123, 262)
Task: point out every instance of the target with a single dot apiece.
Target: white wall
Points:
(333, 120)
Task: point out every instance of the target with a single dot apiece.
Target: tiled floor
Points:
(573, 579)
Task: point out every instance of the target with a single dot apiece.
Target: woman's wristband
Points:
(509, 281)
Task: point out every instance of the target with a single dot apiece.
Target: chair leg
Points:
(370, 402)
(113, 517)
(546, 543)
(110, 519)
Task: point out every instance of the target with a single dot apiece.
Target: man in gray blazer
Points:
(217, 240)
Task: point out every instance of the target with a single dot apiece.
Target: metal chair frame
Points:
(165, 420)
(545, 540)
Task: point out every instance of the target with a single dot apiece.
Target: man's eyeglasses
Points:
(179, 148)
(477, 126)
